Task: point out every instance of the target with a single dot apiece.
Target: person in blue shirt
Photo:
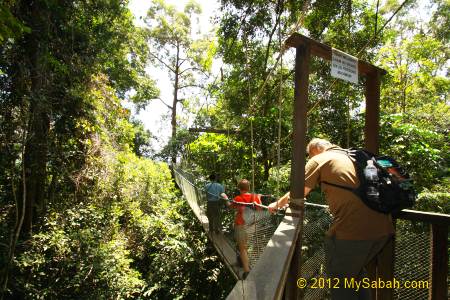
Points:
(215, 194)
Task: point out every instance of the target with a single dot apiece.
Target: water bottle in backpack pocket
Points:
(371, 176)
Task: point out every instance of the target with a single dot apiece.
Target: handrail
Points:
(423, 216)
(409, 214)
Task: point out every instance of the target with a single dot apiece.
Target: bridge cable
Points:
(280, 97)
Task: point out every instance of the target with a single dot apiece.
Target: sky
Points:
(156, 115)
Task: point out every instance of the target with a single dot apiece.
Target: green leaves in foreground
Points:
(133, 237)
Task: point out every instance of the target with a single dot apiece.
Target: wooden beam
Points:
(372, 123)
(227, 252)
(214, 130)
(301, 85)
(325, 52)
(439, 262)
(275, 260)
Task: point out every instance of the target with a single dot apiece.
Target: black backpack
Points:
(394, 186)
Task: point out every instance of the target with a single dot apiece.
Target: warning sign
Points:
(344, 66)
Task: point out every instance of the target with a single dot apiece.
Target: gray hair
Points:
(317, 143)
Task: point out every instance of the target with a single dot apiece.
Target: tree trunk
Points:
(174, 105)
(36, 147)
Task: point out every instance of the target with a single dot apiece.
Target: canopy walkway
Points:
(416, 250)
(285, 249)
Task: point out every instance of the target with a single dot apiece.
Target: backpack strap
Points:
(339, 186)
(338, 149)
(350, 154)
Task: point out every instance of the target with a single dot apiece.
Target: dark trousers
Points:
(213, 212)
(345, 264)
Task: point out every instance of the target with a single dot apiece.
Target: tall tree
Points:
(46, 74)
(48, 69)
(416, 59)
(175, 48)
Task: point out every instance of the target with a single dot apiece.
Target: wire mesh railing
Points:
(412, 255)
(412, 258)
(317, 220)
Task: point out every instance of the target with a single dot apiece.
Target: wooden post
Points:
(384, 267)
(302, 59)
(439, 262)
(372, 126)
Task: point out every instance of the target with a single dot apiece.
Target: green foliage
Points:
(79, 253)
(10, 26)
(440, 22)
(142, 140)
(219, 153)
(130, 236)
(279, 179)
(414, 80)
(422, 151)
(434, 201)
(48, 73)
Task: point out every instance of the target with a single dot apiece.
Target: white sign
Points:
(344, 66)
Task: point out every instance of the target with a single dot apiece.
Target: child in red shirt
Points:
(239, 223)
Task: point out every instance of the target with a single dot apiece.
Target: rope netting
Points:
(412, 243)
